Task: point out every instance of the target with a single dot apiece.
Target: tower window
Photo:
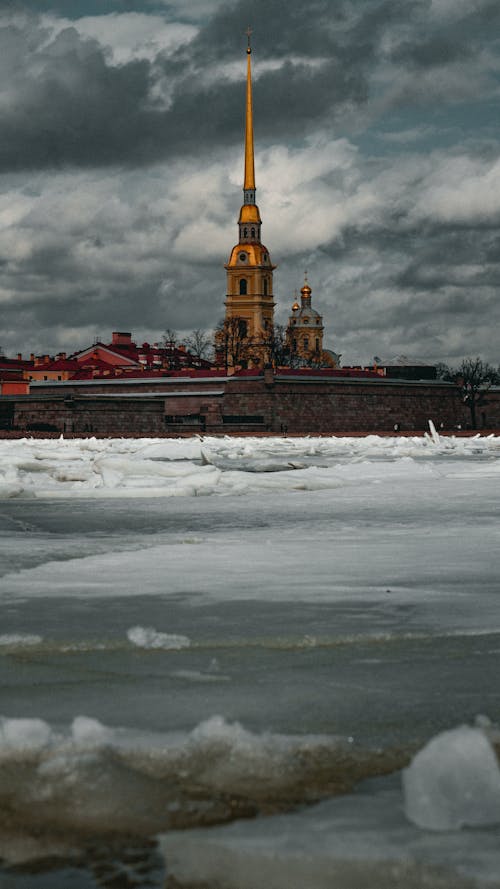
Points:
(245, 233)
(242, 328)
(265, 286)
(253, 233)
(317, 344)
(243, 287)
(306, 342)
(242, 257)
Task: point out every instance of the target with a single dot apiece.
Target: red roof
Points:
(14, 363)
(60, 364)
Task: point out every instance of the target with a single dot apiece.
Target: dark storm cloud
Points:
(413, 249)
(431, 52)
(68, 104)
(69, 8)
(349, 31)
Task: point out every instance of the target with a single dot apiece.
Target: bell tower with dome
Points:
(249, 300)
(304, 333)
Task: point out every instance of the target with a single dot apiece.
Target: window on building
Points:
(245, 233)
(242, 327)
(243, 287)
(294, 345)
(306, 342)
(317, 344)
(253, 233)
(265, 286)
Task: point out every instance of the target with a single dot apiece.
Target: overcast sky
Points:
(377, 163)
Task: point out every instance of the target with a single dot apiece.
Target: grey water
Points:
(331, 634)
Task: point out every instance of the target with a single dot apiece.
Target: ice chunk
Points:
(90, 731)
(454, 781)
(24, 734)
(14, 640)
(434, 434)
(148, 637)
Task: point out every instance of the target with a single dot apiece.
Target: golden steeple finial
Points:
(249, 220)
(249, 183)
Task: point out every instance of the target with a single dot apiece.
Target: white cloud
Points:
(460, 189)
(129, 35)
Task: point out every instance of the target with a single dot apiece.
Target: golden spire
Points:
(249, 183)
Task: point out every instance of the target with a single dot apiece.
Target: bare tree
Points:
(444, 372)
(233, 345)
(169, 339)
(276, 346)
(199, 343)
(475, 377)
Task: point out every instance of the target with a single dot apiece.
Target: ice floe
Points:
(217, 465)
(454, 782)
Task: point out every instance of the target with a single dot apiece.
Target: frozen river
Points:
(217, 655)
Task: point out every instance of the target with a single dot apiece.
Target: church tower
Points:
(249, 301)
(304, 334)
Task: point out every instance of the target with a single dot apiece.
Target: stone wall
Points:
(91, 414)
(268, 403)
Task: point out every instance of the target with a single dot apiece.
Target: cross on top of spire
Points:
(249, 33)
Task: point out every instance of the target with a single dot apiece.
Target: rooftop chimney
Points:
(121, 339)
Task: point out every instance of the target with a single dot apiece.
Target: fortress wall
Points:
(268, 403)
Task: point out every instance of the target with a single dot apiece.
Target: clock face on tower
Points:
(242, 257)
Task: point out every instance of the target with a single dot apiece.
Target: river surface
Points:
(217, 655)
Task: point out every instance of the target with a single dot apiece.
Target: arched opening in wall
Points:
(253, 233)
(242, 328)
(265, 286)
(243, 286)
(245, 233)
(306, 342)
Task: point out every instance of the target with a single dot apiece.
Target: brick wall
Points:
(261, 404)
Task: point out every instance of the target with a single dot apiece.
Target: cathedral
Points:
(248, 336)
